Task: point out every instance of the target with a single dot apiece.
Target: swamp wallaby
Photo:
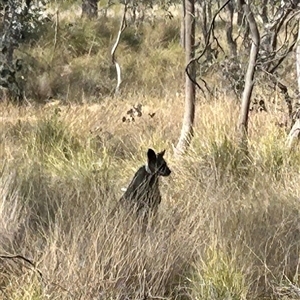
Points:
(143, 194)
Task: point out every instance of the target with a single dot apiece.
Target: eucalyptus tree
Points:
(20, 19)
(133, 13)
(190, 88)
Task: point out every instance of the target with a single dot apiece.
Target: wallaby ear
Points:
(162, 153)
(151, 156)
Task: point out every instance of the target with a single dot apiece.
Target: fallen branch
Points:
(33, 267)
(20, 257)
(123, 26)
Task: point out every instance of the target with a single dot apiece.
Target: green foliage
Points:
(217, 277)
(85, 37)
(132, 39)
(273, 154)
(225, 154)
(79, 66)
(168, 35)
(227, 160)
(21, 20)
(52, 137)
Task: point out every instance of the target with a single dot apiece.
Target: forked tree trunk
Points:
(249, 78)
(190, 91)
(89, 8)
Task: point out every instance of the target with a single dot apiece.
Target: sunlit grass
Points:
(227, 227)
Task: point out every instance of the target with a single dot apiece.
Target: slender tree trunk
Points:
(231, 43)
(294, 116)
(123, 26)
(190, 91)
(264, 12)
(204, 23)
(209, 10)
(249, 78)
(182, 27)
(240, 13)
(90, 8)
(298, 60)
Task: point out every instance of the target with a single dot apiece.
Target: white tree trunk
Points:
(294, 134)
(190, 91)
(249, 78)
(182, 26)
(298, 59)
(123, 26)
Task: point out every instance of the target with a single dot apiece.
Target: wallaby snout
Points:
(166, 172)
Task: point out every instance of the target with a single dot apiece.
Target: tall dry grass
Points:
(228, 225)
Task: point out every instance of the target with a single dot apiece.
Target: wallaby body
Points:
(143, 194)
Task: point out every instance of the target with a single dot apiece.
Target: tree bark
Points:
(240, 13)
(182, 27)
(204, 23)
(90, 9)
(294, 120)
(230, 41)
(123, 26)
(264, 12)
(298, 59)
(249, 78)
(190, 91)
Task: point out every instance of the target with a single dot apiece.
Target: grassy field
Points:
(228, 225)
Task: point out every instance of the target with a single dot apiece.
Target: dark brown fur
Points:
(143, 194)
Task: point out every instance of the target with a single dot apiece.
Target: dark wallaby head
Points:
(156, 163)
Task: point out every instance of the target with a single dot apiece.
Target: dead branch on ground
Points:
(20, 257)
(32, 266)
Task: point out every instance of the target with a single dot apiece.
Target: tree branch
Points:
(32, 264)
(13, 257)
(207, 43)
(123, 26)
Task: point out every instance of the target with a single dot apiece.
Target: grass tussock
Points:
(216, 276)
(227, 227)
